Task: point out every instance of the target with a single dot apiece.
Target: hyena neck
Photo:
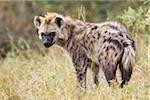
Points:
(76, 32)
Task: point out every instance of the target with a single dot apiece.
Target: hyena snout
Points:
(48, 40)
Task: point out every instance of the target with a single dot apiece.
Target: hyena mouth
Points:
(47, 45)
(48, 40)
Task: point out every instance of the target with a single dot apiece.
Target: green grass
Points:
(33, 76)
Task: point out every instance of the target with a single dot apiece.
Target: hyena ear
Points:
(59, 21)
(37, 21)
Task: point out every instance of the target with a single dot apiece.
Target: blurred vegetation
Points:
(17, 17)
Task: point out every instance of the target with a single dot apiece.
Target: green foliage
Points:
(136, 20)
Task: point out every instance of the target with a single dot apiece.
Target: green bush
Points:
(136, 20)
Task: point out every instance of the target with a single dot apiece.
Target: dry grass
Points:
(31, 76)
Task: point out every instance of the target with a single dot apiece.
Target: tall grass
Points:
(30, 75)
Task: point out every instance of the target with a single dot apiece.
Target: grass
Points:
(30, 75)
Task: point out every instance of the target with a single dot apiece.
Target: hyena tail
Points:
(127, 62)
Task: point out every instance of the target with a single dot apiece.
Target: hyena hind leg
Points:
(125, 74)
(95, 69)
(110, 73)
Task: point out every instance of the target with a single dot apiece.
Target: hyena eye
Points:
(42, 34)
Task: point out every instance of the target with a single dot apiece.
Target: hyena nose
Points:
(46, 44)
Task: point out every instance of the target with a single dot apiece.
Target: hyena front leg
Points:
(81, 65)
(95, 69)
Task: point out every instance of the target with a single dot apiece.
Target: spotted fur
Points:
(106, 45)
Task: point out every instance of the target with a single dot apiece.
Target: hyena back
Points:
(106, 45)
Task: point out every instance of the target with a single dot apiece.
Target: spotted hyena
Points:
(106, 45)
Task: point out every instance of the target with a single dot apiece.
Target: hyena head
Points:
(51, 28)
